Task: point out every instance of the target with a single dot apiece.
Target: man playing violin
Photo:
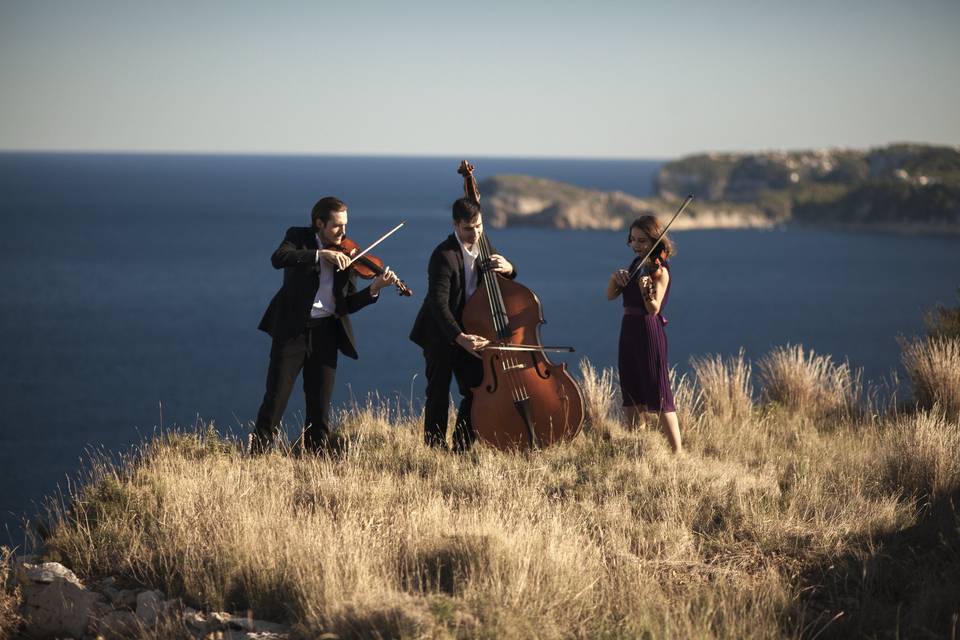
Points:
(309, 322)
(449, 352)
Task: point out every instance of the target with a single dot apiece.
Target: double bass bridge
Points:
(513, 366)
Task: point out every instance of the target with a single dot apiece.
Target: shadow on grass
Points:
(905, 584)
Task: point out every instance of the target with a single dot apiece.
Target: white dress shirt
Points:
(324, 304)
(469, 268)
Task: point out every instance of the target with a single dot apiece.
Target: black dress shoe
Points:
(257, 445)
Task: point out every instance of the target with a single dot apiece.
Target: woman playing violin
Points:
(644, 373)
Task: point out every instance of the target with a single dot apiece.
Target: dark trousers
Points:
(315, 352)
(442, 364)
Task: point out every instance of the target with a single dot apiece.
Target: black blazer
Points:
(289, 310)
(439, 321)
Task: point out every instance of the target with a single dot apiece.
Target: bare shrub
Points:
(920, 455)
(943, 322)
(933, 366)
(725, 385)
(686, 397)
(9, 596)
(808, 383)
(601, 393)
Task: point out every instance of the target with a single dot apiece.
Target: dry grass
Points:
(9, 597)
(807, 383)
(921, 457)
(765, 528)
(933, 366)
(725, 385)
(601, 395)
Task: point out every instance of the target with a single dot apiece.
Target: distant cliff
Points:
(525, 200)
(907, 187)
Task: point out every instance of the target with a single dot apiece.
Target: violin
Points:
(652, 265)
(524, 402)
(652, 262)
(368, 266)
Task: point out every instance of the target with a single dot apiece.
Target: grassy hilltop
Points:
(811, 513)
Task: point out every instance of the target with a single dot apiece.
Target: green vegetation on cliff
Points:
(903, 186)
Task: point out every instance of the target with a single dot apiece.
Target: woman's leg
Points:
(671, 429)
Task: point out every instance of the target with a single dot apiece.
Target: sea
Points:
(133, 286)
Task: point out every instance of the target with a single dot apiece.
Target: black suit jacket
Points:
(289, 310)
(439, 321)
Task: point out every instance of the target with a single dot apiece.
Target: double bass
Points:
(524, 402)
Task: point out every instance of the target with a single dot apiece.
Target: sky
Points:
(537, 79)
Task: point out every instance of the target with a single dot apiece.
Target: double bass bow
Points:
(524, 402)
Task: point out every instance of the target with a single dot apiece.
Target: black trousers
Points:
(315, 352)
(443, 363)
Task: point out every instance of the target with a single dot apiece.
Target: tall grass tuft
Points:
(943, 322)
(933, 366)
(725, 385)
(687, 398)
(920, 456)
(601, 394)
(807, 383)
(9, 596)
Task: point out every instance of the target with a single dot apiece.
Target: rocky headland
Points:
(904, 187)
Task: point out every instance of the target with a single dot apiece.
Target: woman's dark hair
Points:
(324, 208)
(649, 226)
(465, 210)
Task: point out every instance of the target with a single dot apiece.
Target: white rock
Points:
(46, 573)
(218, 620)
(149, 607)
(126, 598)
(57, 610)
(195, 619)
(120, 624)
(251, 625)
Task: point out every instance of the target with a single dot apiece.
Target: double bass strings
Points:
(498, 309)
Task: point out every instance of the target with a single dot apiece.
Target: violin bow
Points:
(640, 264)
(375, 243)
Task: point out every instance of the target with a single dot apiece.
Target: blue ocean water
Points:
(132, 287)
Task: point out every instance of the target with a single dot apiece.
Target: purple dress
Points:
(644, 374)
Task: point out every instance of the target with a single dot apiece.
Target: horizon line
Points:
(332, 154)
(518, 156)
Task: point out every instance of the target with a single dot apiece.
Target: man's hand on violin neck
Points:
(386, 278)
(336, 258)
(471, 343)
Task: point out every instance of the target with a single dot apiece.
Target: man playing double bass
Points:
(452, 278)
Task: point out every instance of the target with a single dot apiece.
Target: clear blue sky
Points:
(598, 79)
